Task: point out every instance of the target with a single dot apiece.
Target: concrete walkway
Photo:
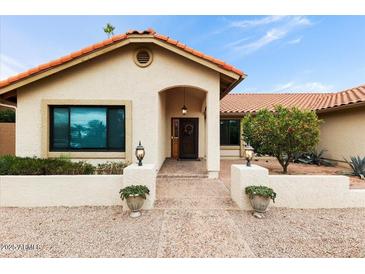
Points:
(195, 211)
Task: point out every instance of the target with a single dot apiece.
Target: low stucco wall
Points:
(296, 191)
(7, 139)
(342, 133)
(76, 190)
(60, 190)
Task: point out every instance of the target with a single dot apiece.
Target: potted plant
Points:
(260, 198)
(135, 196)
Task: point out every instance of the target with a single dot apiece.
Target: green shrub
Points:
(263, 191)
(7, 116)
(134, 190)
(283, 133)
(357, 165)
(12, 165)
(111, 168)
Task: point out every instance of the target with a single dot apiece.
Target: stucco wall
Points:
(296, 191)
(116, 76)
(60, 190)
(343, 133)
(7, 138)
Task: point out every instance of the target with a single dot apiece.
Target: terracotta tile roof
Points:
(346, 97)
(252, 102)
(107, 42)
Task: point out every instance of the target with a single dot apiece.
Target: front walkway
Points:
(183, 168)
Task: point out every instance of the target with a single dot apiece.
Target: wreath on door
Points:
(188, 129)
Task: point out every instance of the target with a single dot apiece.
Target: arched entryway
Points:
(193, 135)
(182, 123)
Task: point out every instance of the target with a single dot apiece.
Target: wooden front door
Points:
(175, 143)
(188, 138)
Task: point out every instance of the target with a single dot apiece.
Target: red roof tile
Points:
(114, 39)
(241, 103)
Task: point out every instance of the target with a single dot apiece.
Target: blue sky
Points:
(278, 53)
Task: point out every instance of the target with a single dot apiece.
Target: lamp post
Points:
(248, 154)
(140, 153)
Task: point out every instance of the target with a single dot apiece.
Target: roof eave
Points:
(341, 107)
(145, 38)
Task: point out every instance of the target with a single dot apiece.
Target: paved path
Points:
(196, 222)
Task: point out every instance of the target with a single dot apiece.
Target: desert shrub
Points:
(283, 133)
(7, 116)
(357, 165)
(313, 158)
(111, 168)
(12, 165)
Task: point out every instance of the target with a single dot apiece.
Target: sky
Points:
(278, 53)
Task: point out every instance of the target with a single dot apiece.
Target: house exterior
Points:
(99, 102)
(342, 132)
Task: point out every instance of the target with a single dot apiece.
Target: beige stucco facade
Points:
(154, 95)
(343, 133)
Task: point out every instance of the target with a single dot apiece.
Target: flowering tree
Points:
(283, 133)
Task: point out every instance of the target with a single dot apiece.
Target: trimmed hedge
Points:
(12, 165)
(111, 168)
(7, 116)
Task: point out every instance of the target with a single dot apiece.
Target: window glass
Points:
(224, 132)
(234, 132)
(230, 132)
(87, 128)
(116, 125)
(60, 128)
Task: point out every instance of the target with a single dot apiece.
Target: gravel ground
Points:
(107, 232)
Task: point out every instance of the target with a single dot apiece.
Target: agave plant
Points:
(357, 165)
(313, 158)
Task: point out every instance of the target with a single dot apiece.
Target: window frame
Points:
(239, 132)
(70, 149)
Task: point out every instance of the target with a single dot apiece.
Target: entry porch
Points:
(188, 129)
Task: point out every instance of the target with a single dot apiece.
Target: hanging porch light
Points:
(184, 109)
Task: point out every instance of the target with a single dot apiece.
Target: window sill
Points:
(232, 147)
(87, 154)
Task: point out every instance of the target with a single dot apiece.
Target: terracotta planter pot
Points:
(135, 204)
(260, 203)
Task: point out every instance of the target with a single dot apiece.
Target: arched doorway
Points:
(183, 122)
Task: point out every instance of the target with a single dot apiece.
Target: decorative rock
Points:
(258, 215)
(135, 214)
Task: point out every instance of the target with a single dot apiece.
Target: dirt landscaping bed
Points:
(294, 169)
